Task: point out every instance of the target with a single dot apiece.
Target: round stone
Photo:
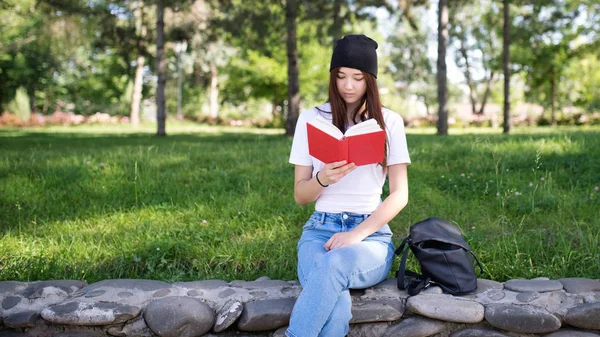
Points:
(521, 318)
(124, 294)
(446, 308)
(162, 293)
(585, 316)
(10, 302)
(179, 317)
(226, 293)
(194, 293)
(533, 285)
(477, 332)
(571, 333)
(497, 295)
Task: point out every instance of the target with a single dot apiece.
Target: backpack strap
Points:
(403, 249)
(478, 263)
(408, 280)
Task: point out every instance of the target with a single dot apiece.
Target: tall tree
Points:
(442, 124)
(506, 64)
(473, 32)
(293, 80)
(161, 68)
(136, 98)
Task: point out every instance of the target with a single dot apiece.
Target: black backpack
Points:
(444, 256)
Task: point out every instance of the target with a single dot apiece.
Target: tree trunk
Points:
(553, 96)
(293, 80)
(470, 84)
(161, 68)
(442, 124)
(214, 92)
(179, 87)
(136, 96)
(336, 27)
(506, 56)
(486, 94)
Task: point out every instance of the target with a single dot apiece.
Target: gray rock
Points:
(94, 333)
(577, 285)
(161, 293)
(477, 332)
(136, 327)
(484, 285)
(571, 333)
(230, 312)
(433, 290)
(226, 293)
(24, 319)
(9, 333)
(84, 313)
(523, 319)
(446, 308)
(95, 293)
(194, 293)
(266, 315)
(36, 289)
(263, 278)
(10, 301)
(11, 287)
(497, 295)
(367, 329)
(124, 294)
(259, 284)
(203, 285)
(533, 285)
(585, 316)
(415, 327)
(527, 296)
(376, 311)
(179, 317)
(145, 285)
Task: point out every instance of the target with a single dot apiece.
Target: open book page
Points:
(326, 126)
(367, 126)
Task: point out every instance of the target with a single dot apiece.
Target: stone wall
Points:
(517, 308)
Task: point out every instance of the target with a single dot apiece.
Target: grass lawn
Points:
(212, 202)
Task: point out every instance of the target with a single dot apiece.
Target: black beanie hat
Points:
(355, 51)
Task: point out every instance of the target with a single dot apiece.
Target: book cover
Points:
(362, 144)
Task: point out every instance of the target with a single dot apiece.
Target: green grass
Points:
(207, 202)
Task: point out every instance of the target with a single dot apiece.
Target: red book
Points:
(362, 144)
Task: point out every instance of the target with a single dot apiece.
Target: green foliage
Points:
(207, 202)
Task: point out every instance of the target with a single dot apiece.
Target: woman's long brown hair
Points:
(370, 101)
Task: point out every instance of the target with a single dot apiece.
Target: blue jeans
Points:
(324, 305)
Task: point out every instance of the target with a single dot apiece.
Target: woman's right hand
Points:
(334, 172)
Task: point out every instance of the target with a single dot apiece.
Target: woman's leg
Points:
(324, 305)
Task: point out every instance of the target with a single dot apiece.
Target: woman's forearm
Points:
(307, 191)
(389, 208)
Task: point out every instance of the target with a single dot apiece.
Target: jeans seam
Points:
(373, 269)
(290, 333)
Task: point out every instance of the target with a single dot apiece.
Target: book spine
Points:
(343, 149)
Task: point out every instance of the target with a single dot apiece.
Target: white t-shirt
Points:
(360, 190)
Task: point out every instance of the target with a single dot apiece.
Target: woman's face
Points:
(351, 84)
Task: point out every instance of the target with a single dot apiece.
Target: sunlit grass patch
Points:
(209, 202)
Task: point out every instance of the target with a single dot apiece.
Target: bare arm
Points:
(389, 208)
(307, 189)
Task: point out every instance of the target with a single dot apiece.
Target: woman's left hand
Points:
(339, 240)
